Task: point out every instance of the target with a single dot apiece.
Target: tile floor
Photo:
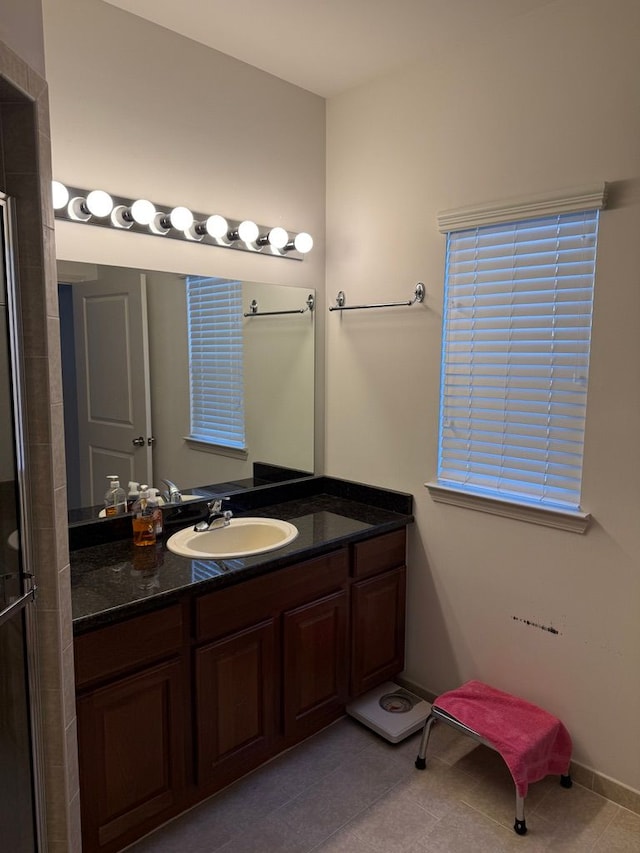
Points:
(346, 790)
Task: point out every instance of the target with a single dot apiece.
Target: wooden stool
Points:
(532, 742)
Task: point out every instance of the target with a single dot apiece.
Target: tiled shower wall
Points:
(25, 175)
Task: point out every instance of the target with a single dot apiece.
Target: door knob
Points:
(138, 442)
(151, 440)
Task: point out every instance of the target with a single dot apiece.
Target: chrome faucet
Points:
(172, 495)
(217, 517)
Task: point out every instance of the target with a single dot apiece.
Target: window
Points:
(516, 340)
(214, 319)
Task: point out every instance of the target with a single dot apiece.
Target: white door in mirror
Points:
(242, 537)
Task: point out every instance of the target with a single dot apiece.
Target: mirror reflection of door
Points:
(107, 366)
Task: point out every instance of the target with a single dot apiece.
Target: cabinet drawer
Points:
(247, 603)
(379, 554)
(127, 645)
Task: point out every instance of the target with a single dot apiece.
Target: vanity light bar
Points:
(97, 207)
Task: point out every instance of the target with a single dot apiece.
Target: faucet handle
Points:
(216, 504)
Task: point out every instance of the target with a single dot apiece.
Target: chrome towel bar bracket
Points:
(342, 306)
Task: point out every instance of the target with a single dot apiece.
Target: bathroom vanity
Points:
(191, 673)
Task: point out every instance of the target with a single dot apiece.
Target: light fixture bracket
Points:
(193, 235)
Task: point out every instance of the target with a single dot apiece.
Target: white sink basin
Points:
(242, 537)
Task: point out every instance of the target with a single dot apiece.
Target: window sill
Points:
(219, 449)
(575, 522)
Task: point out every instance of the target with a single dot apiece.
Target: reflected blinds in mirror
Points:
(214, 323)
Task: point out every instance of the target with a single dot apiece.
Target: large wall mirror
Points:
(125, 356)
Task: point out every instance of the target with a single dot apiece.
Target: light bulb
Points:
(278, 238)
(142, 211)
(303, 242)
(99, 203)
(60, 195)
(181, 218)
(248, 231)
(216, 226)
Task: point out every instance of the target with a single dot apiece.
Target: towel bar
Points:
(342, 306)
(253, 309)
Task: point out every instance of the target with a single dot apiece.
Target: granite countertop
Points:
(117, 580)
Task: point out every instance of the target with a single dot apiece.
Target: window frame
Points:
(590, 198)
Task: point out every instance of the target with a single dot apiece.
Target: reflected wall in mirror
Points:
(125, 356)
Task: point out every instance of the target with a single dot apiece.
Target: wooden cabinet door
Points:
(235, 701)
(315, 664)
(131, 737)
(377, 629)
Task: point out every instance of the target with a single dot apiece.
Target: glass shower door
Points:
(17, 816)
(18, 824)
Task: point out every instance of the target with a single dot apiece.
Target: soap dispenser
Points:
(115, 500)
(133, 494)
(154, 503)
(144, 532)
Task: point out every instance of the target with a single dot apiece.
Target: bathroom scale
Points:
(390, 711)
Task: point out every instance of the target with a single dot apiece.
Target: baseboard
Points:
(415, 688)
(600, 784)
(606, 787)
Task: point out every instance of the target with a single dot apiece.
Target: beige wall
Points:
(551, 100)
(278, 371)
(21, 30)
(140, 111)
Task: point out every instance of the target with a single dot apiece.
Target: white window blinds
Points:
(516, 339)
(214, 310)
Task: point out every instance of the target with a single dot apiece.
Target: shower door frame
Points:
(26, 602)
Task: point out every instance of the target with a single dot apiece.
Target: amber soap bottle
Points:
(144, 527)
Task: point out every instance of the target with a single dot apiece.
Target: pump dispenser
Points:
(132, 495)
(144, 532)
(154, 503)
(115, 500)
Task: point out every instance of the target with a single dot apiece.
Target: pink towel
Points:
(532, 742)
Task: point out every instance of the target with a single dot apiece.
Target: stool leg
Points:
(421, 760)
(520, 825)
